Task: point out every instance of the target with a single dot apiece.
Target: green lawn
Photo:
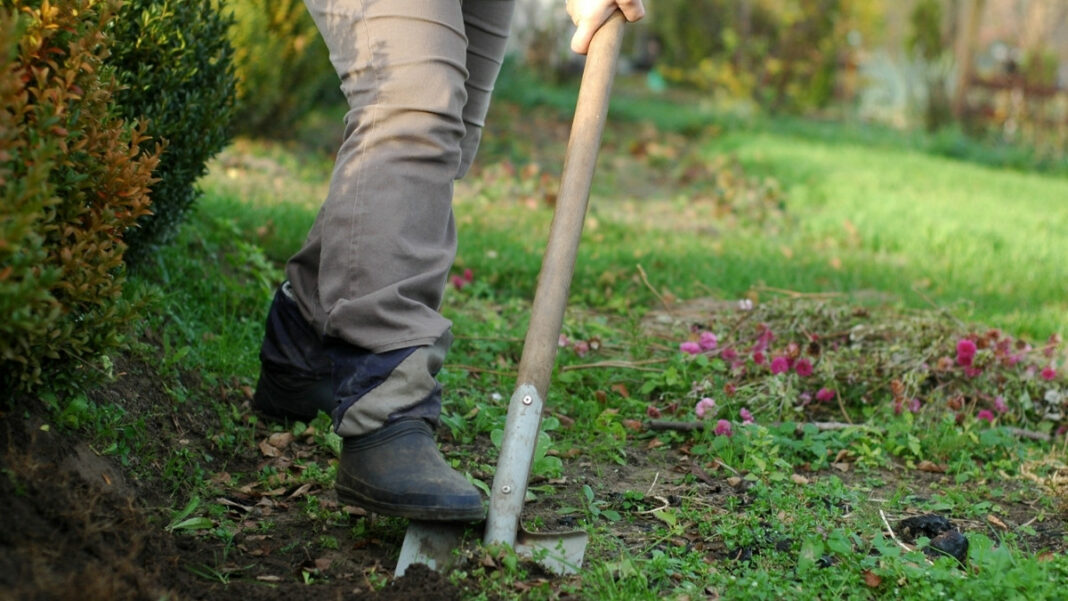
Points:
(806, 225)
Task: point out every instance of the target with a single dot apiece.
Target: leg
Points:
(372, 272)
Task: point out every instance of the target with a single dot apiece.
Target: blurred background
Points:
(988, 69)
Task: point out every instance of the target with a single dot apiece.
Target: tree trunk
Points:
(967, 35)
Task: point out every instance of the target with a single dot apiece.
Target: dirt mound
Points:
(73, 527)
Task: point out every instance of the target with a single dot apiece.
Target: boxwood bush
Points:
(74, 176)
(175, 63)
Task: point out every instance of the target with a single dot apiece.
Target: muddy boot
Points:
(295, 371)
(398, 471)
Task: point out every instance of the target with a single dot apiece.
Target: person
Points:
(355, 329)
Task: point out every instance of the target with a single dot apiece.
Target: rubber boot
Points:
(398, 471)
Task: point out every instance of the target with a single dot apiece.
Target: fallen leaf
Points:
(354, 511)
(799, 479)
(268, 450)
(930, 466)
(621, 389)
(280, 440)
(701, 474)
(323, 564)
(633, 424)
(994, 521)
(655, 443)
(872, 579)
(842, 467)
(300, 492)
(734, 481)
(268, 578)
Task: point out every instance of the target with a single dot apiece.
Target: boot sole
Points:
(432, 513)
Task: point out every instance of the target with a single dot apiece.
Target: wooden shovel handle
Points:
(550, 299)
(558, 265)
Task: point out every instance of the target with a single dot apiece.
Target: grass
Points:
(879, 254)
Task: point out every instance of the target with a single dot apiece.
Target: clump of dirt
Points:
(69, 528)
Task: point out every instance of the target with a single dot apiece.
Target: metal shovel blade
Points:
(434, 544)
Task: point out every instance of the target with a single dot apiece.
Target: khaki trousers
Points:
(417, 75)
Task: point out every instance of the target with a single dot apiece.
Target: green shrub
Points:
(175, 63)
(73, 177)
(282, 64)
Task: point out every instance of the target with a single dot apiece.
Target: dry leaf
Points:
(633, 424)
(799, 479)
(300, 492)
(994, 521)
(930, 466)
(621, 389)
(268, 450)
(323, 564)
(872, 579)
(280, 440)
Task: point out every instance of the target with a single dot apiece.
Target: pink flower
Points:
(1049, 373)
(971, 371)
(458, 282)
(563, 341)
(779, 365)
(914, 405)
(986, 415)
(803, 367)
(899, 406)
(966, 350)
(747, 417)
(705, 406)
(999, 404)
(652, 412)
(825, 395)
(723, 428)
(581, 347)
(728, 354)
(759, 358)
(690, 347)
(707, 341)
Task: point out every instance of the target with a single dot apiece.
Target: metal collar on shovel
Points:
(432, 543)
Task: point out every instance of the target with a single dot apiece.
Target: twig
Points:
(664, 506)
(1028, 434)
(841, 406)
(479, 370)
(645, 280)
(729, 468)
(662, 425)
(653, 485)
(941, 309)
(637, 365)
(892, 535)
(796, 294)
(490, 338)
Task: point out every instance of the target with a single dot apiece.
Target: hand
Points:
(589, 15)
